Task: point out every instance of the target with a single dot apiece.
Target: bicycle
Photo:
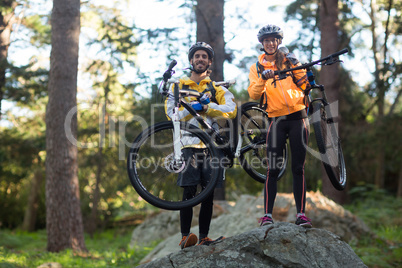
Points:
(159, 188)
(155, 157)
(326, 134)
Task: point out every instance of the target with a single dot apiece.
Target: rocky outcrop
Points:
(278, 245)
(231, 219)
(243, 215)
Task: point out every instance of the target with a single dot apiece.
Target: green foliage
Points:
(40, 29)
(381, 212)
(238, 182)
(115, 39)
(373, 204)
(7, 6)
(365, 134)
(362, 138)
(19, 155)
(106, 249)
(26, 84)
(304, 12)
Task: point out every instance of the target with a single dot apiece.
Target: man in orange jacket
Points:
(285, 103)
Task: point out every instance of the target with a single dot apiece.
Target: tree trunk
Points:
(209, 15)
(380, 169)
(63, 212)
(6, 23)
(399, 192)
(329, 76)
(32, 208)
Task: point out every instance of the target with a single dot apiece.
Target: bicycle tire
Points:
(329, 146)
(150, 170)
(253, 157)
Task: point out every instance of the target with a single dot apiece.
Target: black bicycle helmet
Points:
(269, 30)
(198, 46)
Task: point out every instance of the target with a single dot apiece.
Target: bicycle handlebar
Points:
(220, 83)
(328, 60)
(227, 83)
(171, 65)
(168, 73)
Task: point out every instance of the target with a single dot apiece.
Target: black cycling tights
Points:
(186, 214)
(297, 131)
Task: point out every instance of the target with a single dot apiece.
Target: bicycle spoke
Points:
(154, 169)
(151, 167)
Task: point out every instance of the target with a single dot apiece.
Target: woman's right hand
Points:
(267, 74)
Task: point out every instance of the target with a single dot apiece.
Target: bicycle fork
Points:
(177, 165)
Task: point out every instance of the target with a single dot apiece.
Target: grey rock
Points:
(242, 217)
(278, 245)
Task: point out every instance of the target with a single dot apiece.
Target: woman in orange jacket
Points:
(285, 103)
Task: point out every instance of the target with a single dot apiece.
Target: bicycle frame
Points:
(178, 96)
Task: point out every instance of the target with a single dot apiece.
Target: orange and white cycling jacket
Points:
(283, 97)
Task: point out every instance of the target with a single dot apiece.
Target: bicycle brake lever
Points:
(281, 76)
(167, 75)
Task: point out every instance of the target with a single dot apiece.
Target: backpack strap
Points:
(211, 89)
(260, 68)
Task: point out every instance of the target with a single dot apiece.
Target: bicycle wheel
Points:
(152, 171)
(253, 157)
(329, 146)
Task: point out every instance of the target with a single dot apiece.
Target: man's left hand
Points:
(197, 106)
